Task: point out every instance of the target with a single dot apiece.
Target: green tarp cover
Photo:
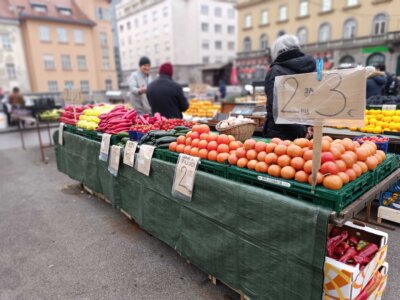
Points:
(264, 244)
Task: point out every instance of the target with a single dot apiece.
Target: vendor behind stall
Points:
(166, 96)
(138, 83)
(287, 59)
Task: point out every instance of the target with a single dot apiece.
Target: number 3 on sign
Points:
(185, 172)
(339, 98)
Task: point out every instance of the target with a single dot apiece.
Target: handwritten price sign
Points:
(338, 99)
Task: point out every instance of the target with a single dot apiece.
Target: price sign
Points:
(105, 147)
(143, 162)
(61, 134)
(72, 97)
(339, 98)
(389, 107)
(184, 176)
(113, 164)
(129, 153)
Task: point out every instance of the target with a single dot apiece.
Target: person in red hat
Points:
(165, 95)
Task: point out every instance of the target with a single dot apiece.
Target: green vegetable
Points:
(158, 133)
(124, 140)
(163, 146)
(123, 135)
(179, 128)
(361, 245)
(165, 140)
(144, 139)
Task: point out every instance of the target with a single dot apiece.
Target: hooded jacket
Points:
(376, 82)
(290, 62)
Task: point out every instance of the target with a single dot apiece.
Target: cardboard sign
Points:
(105, 147)
(72, 97)
(61, 134)
(113, 164)
(143, 162)
(185, 173)
(129, 153)
(339, 98)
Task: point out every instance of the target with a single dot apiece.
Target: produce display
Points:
(162, 138)
(69, 117)
(234, 121)
(89, 119)
(203, 109)
(119, 119)
(50, 115)
(350, 249)
(145, 123)
(375, 139)
(342, 161)
(391, 198)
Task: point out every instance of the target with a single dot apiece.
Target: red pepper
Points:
(350, 253)
(366, 254)
(353, 240)
(361, 260)
(335, 241)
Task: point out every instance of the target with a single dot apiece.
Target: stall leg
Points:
(40, 141)
(21, 134)
(48, 131)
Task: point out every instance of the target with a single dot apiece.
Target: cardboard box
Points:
(345, 282)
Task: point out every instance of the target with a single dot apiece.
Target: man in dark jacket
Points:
(287, 59)
(165, 95)
(376, 82)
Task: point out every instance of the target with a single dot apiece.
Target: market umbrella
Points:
(234, 78)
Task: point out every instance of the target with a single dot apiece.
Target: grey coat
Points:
(139, 101)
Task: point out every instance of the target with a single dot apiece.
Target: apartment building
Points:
(343, 32)
(13, 70)
(67, 44)
(190, 34)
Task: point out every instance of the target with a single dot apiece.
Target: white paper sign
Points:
(105, 147)
(113, 164)
(143, 162)
(389, 107)
(129, 153)
(338, 99)
(61, 134)
(185, 173)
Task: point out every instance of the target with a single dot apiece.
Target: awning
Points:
(213, 67)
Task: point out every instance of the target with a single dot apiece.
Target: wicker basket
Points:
(241, 132)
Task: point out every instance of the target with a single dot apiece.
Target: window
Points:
(65, 11)
(218, 45)
(302, 35)
(231, 46)
(326, 5)
(248, 22)
(121, 28)
(205, 45)
(380, 24)
(85, 86)
(218, 12)
(108, 84)
(128, 25)
(247, 44)
(44, 33)
(78, 36)
(52, 86)
(11, 71)
(48, 61)
(66, 62)
(352, 2)
(81, 59)
(39, 8)
(375, 59)
(283, 13)
(204, 10)
(324, 33)
(218, 59)
(154, 15)
(231, 13)
(204, 27)
(6, 41)
(303, 8)
(102, 13)
(165, 12)
(69, 84)
(103, 39)
(156, 48)
(231, 29)
(263, 42)
(218, 28)
(106, 62)
(144, 19)
(62, 35)
(349, 29)
(206, 60)
(264, 17)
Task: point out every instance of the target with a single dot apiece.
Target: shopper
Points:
(165, 95)
(13, 102)
(138, 83)
(222, 89)
(375, 82)
(287, 59)
(392, 83)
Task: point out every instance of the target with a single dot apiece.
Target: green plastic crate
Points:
(388, 166)
(70, 128)
(335, 200)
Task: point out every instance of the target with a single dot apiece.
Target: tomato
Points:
(308, 166)
(372, 162)
(271, 158)
(212, 137)
(234, 145)
(345, 178)
(251, 165)
(241, 152)
(261, 156)
(180, 148)
(301, 176)
(341, 165)
(251, 154)
(242, 162)
(280, 150)
(297, 163)
(187, 150)
(333, 182)
(194, 152)
(181, 139)
(196, 128)
(294, 151)
(284, 160)
(223, 148)
(269, 148)
(189, 134)
(172, 146)
(204, 136)
(212, 155)
(195, 135)
(288, 172)
(195, 142)
(275, 141)
(274, 171)
(301, 142)
(223, 139)
(308, 155)
(203, 128)
(249, 144)
(260, 146)
(261, 167)
(231, 138)
(203, 144)
(188, 141)
(213, 145)
(232, 159)
(222, 157)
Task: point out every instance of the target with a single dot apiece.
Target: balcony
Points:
(372, 40)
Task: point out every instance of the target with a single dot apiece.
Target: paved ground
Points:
(58, 243)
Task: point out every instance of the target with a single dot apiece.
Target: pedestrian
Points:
(287, 58)
(392, 83)
(138, 83)
(165, 95)
(376, 81)
(222, 89)
(13, 102)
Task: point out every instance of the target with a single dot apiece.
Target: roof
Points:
(6, 12)
(26, 11)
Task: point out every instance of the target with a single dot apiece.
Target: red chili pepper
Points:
(369, 250)
(353, 240)
(335, 241)
(350, 253)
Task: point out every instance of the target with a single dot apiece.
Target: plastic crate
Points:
(70, 128)
(388, 166)
(389, 198)
(381, 146)
(335, 200)
(135, 135)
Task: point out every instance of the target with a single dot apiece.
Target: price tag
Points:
(143, 162)
(339, 98)
(105, 147)
(113, 164)
(72, 97)
(129, 153)
(389, 107)
(184, 177)
(61, 134)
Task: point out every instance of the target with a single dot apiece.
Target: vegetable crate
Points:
(342, 281)
(388, 166)
(381, 146)
(335, 200)
(90, 134)
(70, 128)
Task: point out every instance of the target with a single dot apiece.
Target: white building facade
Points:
(187, 33)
